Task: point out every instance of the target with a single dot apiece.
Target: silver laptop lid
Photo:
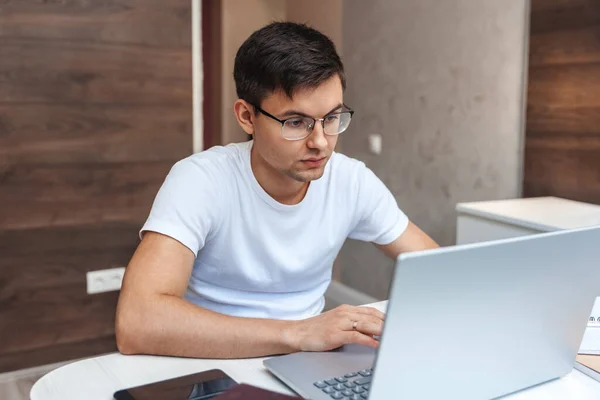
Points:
(483, 320)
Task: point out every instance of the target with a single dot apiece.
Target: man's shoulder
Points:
(217, 162)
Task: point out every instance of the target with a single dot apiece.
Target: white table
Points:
(99, 377)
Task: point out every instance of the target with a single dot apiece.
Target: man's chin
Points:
(307, 175)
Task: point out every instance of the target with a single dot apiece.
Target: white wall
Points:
(197, 75)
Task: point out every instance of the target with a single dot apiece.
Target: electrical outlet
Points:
(104, 280)
(375, 144)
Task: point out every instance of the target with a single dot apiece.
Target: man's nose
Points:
(317, 138)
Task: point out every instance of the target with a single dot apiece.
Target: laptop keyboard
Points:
(352, 386)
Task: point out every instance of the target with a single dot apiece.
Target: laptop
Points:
(475, 321)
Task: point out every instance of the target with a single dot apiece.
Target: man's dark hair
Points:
(286, 56)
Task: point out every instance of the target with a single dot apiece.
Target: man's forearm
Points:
(169, 325)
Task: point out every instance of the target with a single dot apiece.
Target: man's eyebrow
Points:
(290, 113)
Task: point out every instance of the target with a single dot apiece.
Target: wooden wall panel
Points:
(562, 143)
(71, 72)
(43, 291)
(82, 133)
(36, 195)
(95, 107)
(151, 23)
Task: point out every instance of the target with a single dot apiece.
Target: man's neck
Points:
(280, 187)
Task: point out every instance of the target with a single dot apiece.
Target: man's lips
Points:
(314, 161)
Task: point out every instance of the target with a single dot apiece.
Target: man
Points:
(237, 251)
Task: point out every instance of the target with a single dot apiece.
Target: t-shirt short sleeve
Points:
(378, 217)
(186, 207)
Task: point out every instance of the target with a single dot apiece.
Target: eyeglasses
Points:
(297, 128)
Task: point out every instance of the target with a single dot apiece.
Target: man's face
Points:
(302, 160)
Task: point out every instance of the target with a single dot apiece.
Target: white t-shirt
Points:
(256, 257)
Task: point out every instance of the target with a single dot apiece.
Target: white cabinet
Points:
(473, 229)
(491, 220)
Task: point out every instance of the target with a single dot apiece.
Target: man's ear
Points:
(244, 113)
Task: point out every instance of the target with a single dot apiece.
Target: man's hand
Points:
(332, 329)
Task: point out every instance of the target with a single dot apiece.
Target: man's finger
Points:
(370, 311)
(373, 326)
(355, 337)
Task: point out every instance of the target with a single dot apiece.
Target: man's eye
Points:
(331, 118)
(295, 123)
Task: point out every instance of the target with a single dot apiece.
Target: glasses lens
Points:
(296, 128)
(337, 123)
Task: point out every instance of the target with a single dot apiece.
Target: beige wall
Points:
(324, 15)
(242, 17)
(442, 82)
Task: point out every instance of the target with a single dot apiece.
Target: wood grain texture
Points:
(563, 15)
(49, 355)
(38, 195)
(563, 167)
(562, 143)
(590, 361)
(151, 23)
(69, 72)
(82, 133)
(551, 48)
(43, 299)
(95, 108)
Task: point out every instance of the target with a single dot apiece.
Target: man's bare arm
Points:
(153, 318)
(412, 239)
